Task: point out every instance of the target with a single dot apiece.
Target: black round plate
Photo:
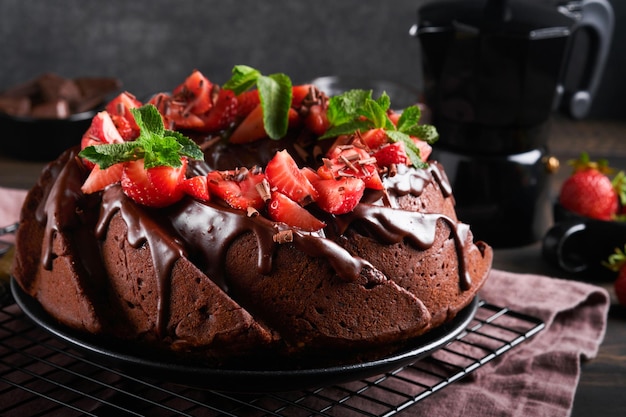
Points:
(117, 354)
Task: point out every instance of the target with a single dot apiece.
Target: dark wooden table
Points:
(602, 387)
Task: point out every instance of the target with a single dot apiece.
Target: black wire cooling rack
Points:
(40, 376)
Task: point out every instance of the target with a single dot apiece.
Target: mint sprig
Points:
(156, 145)
(356, 110)
(275, 94)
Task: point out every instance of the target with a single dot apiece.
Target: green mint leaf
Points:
(384, 101)
(344, 107)
(347, 128)
(409, 124)
(409, 118)
(243, 78)
(373, 111)
(410, 147)
(427, 133)
(111, 153)
(275, 93)
(161, 151)
(188, 147)
(148, 119)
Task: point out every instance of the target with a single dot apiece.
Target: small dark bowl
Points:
(578, 245)
(32, 139)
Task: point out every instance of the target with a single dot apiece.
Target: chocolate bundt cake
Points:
(282, 230)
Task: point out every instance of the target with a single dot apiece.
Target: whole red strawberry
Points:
(589, 191)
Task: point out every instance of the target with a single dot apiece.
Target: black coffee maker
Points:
(493, 76)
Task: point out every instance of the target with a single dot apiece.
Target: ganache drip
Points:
(165, 249)
(60, 207)
(211, 229)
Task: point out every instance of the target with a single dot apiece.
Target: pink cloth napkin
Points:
(10, 204)
(539, 377)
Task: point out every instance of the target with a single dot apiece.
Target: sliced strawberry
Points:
(283, 173)
(119, 109)
(154, 187)
(351, 161)
(310, 174)
(424, 147)
(223, 113)
(197, 187)
(237, 188)
(283, 209)
(299, 93)
(102, 130)
(251, 128)
(99, 179)
(374, 138)
(392, 153)
(249, 190)
(339, 196)
(179, 117)
(195, 92)
(246, 102)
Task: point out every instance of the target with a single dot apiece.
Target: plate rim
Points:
(234, 379)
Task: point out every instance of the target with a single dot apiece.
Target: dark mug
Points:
(579, 245)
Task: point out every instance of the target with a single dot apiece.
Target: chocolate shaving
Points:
(348, 163)
(252, 212)
(301, 151)
(263, 188)
(284, 236)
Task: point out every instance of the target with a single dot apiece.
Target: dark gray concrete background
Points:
(151, 45)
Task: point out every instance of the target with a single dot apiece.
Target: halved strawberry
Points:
(283, 209)
(283, 173)
(392, 153)
(223, 113)
(99, 179)
(237, 188)
(154, 187)
(195, 92)
(119, 109)
(197, 187)
(339, 196)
